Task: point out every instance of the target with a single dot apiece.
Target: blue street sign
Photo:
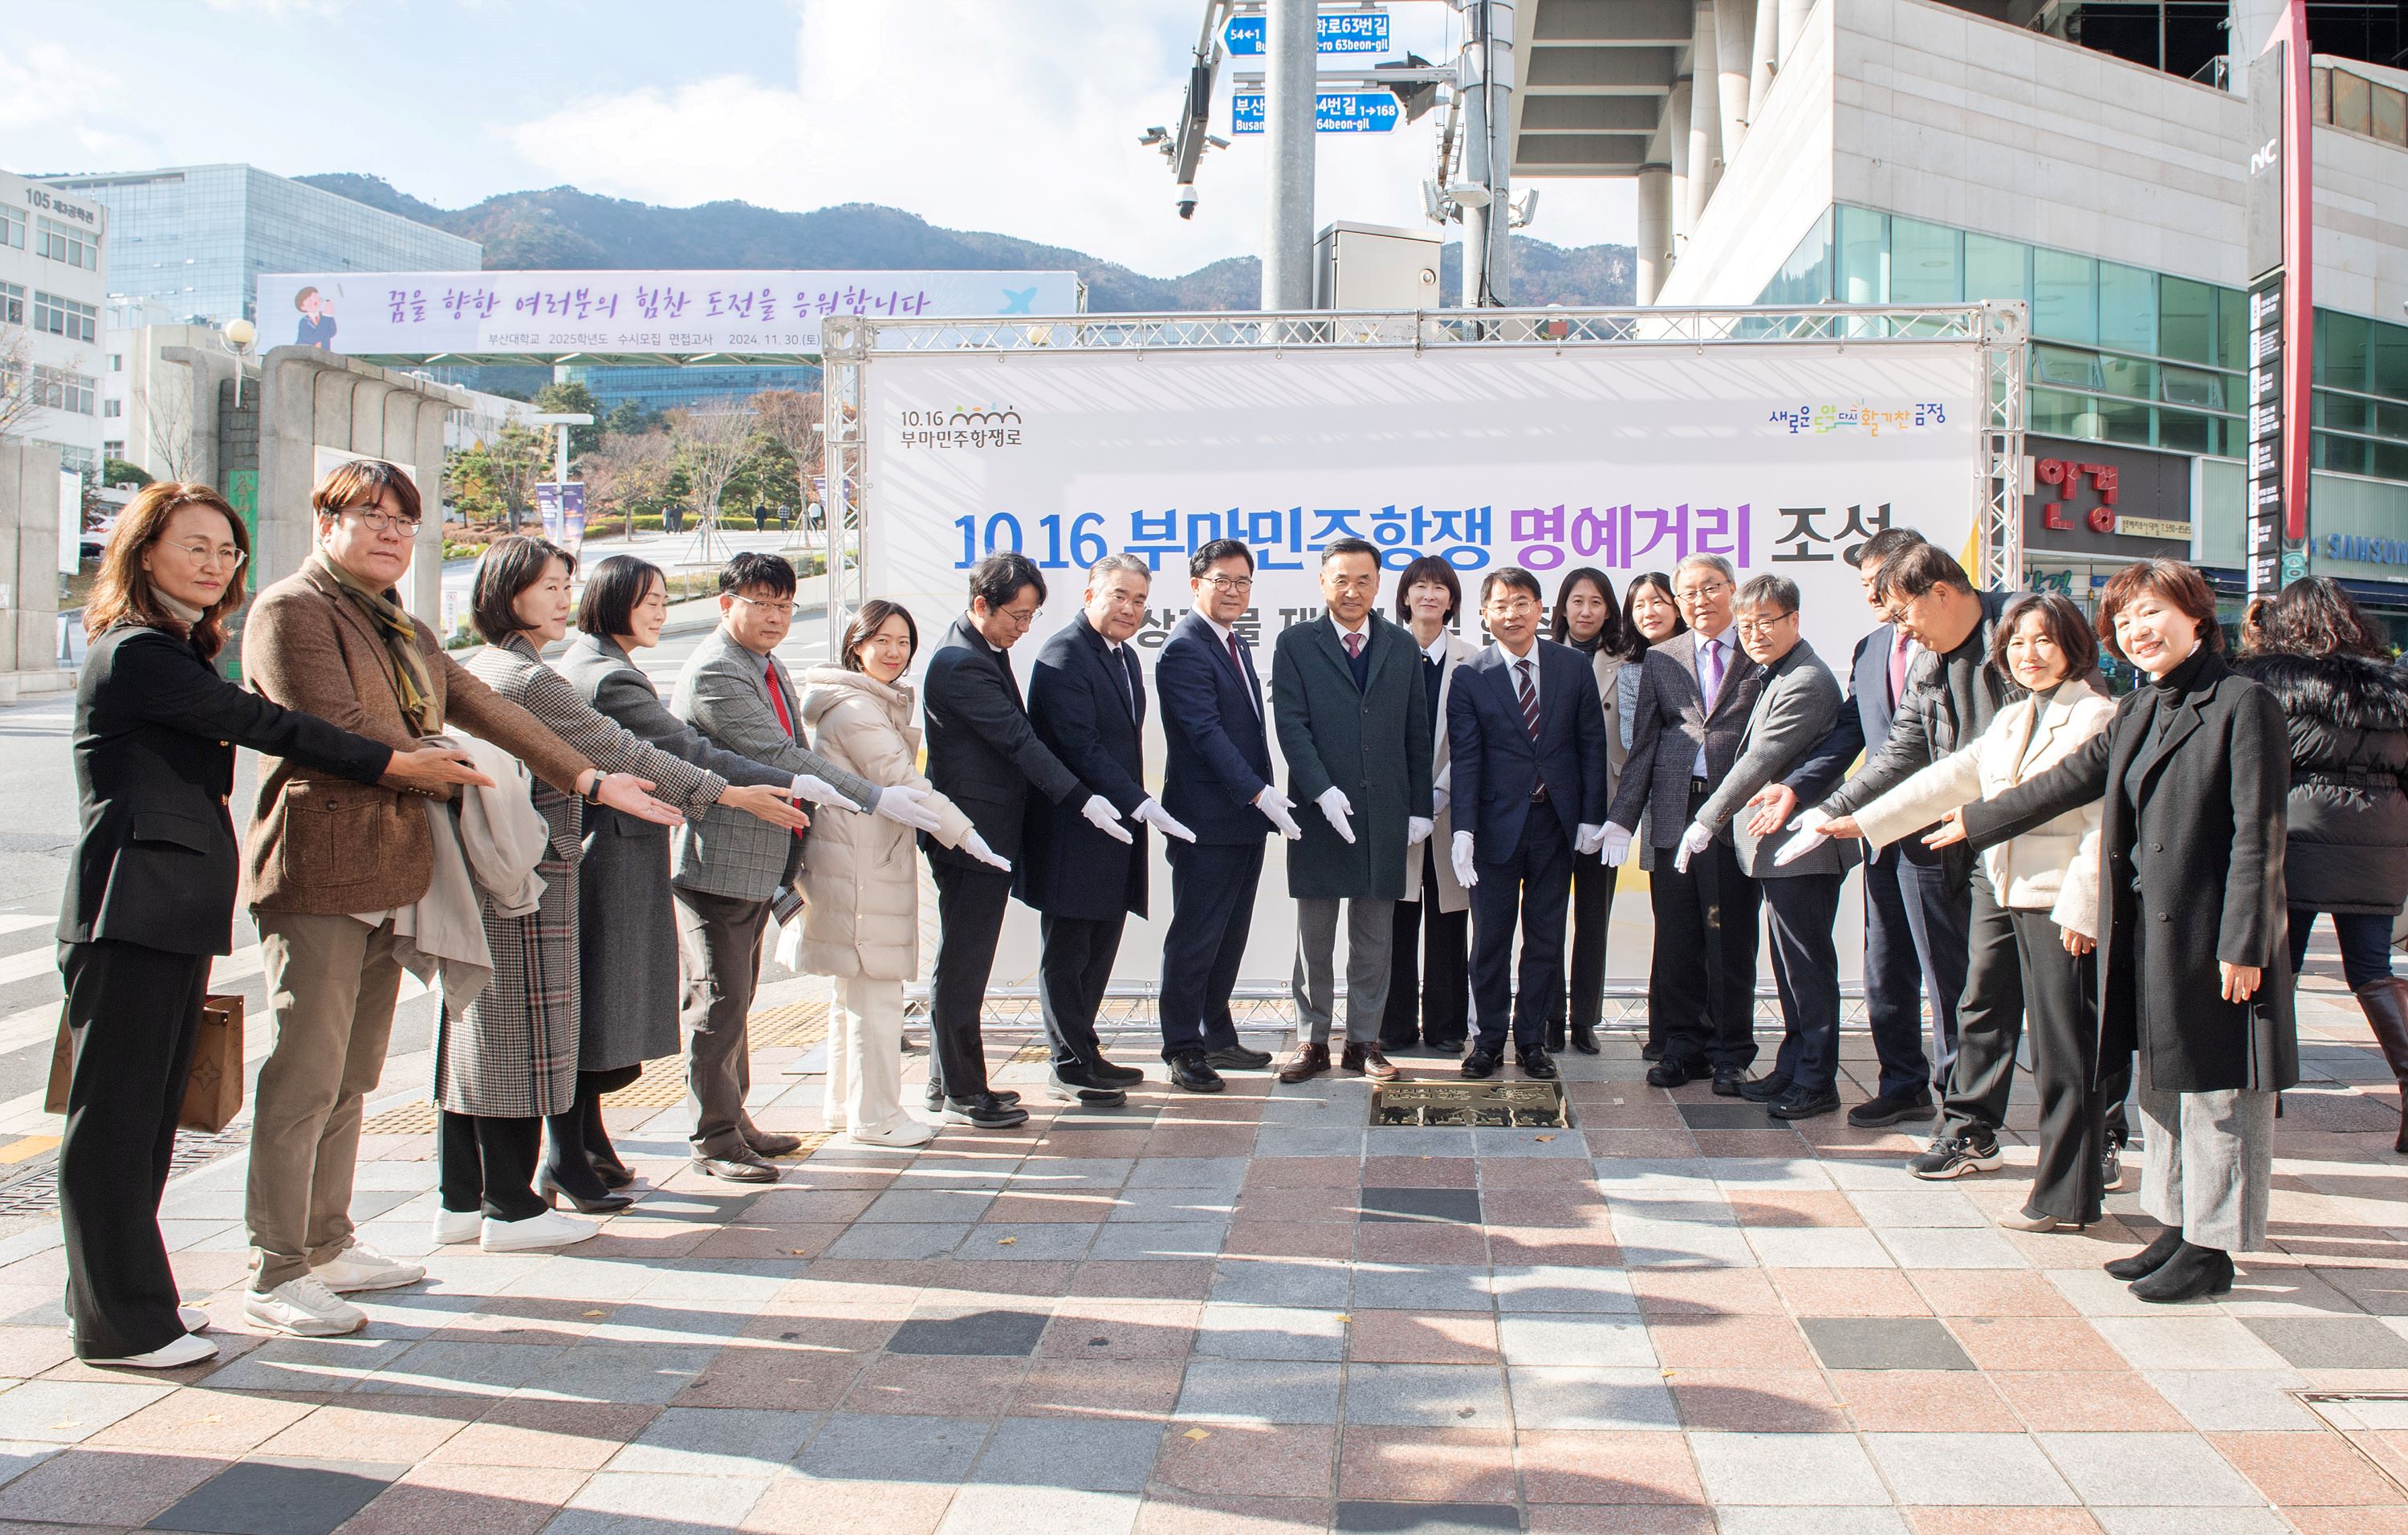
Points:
(1334, 112)
(1342, 31)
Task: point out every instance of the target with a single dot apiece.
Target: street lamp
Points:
(237, 337)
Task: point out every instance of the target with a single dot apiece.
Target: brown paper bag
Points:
(213, 1091)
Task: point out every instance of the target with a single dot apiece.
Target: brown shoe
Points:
(1366, 1059)
(1310, 1060)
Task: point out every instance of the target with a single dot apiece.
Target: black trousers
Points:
(1702, 983)
(971, 904)
(1894, 981)
(1212, 911)
(1989, 1018)
(1940, 919)
(1806, 969)
(1592, 882)
(1530, 885)
(2061, 1009)
(1430, 997)
(487, 1164)
(1071, 974)
(134, 1014)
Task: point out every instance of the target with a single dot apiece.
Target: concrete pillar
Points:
(1733, 51)
(1765, 56)
(1705, 115)
(1793, 25)
(29, 568)
(422, 439)
(1676, 130)
(2250, 23)
(1655, 252)
(1291, 50)
(288, 414)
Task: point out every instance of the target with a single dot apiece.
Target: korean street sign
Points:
(1341, 32)
(1334, 112)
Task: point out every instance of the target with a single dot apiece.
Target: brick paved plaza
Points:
(1247, 1313)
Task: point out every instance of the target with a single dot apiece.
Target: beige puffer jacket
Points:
(861, 873)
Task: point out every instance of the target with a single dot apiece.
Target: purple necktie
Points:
(1529, 698)
(1353, 647)
(1709, 672)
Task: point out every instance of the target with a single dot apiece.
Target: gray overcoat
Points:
(1795, 707)
(1373, 743)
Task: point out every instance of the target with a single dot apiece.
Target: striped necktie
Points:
(1529, 694)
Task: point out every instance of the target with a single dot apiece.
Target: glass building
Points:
(189, 242)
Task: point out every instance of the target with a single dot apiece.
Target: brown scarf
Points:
(411, 682)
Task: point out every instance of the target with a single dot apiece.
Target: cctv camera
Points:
(1188, 200)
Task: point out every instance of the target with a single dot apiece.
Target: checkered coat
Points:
(512, 1053)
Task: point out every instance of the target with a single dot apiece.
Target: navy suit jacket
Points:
(1079, 704)
(1212, 722)
(1496, 765)
(982, 756)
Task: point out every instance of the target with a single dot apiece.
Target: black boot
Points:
(569, 1171)
(2190, 1274)
(2386, 1003)
(2149, 1259)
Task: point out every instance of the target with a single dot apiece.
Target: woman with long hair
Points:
(1649, 617)
(2347, 852)
(2194, 770)
(508, 1060)
(151, 898)
(1588, 619)
(1430, 947)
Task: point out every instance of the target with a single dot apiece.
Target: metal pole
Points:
(1291, 52)
(1487, 95)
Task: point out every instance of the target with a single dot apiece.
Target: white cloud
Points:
(65, 94)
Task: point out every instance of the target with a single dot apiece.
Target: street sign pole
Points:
(2280, 247)
(1289, 92)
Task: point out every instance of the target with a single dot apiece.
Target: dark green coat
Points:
(1373, 743)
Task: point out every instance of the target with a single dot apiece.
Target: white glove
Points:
(1466, 873)
(1615, 843)
(901, 802)
(1152, 814)
(1693, 842)
(1276, 805)
(1589, 841)
(1101, 815)
(1798, 847)
(1814, 820)
(819, 791)
(1336, 808)
(1417, 827)
(976, 847)
(1440, 799)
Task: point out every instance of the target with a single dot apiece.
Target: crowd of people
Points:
(591, 873)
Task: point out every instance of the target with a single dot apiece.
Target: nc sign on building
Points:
(373, 314)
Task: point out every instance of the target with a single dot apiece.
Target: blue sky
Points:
(1020, 116)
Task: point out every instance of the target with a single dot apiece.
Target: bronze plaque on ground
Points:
(1466, 1105)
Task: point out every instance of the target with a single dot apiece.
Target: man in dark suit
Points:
(1218, 781)
(1915, 926)
(1353, 724)
(984, 757)
(1695, 691)
(1525, 739)
(1086, 702)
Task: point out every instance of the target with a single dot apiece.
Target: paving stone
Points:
(1405, 1287)
(996, 1333)
(1728, 1117)
(1884, 1342)
(1460, 1205)
(1263, 1391)
(1094, 1456)
(1269, 1332)
(717, 1442)
(2151, 1470)
(2331, 1342)
(278, 1496)
(852, 1447)
(1426, 1396)
(1787, 1471)
(1362, 1518)
(1566, 1398)
(1968, 1470)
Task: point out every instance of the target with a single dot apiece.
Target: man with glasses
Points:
(1696, 692)
(1795, 706)
(330, 866)
(1218, 781)
(1525, 753)
(731, 866)
(1353, 722)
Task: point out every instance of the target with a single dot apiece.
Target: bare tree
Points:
(626, 471)
(25, 386)
(710, 442)
(167, 423)
(793, 422)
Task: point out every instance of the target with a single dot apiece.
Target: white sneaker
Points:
(548, 1230)
(903, 1132)
(187, 1350)
(452, 1226)
(359, 1267)
(304, 1308)
(193, 1318)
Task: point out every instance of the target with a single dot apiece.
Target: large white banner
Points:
(1782, 457)
(545, 313)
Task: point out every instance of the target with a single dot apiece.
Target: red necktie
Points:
(1353, 647)
(778, 703)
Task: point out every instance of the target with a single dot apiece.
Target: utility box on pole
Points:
(1373, 267)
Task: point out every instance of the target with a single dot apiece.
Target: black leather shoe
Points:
(2149, 1259)
(1798, 1103)
(1673, 1073)
(1895, 1107)
(1479, 1063)
(1086, 1094)
(1772, 1087)
(1110, 1075)
(2189, 1274)
(772, 1143)
(743, 1169)
(1727, 1084)
(1237, 1057)
(549, 1189)
(1190, 1073)
(1584, 1039)
(986, 1111)
(1650, 1051)
(1538, 1066)
(937, 1096)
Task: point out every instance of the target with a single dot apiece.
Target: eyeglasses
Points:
(1512, 607)
(204, 555)
(781, 609)
(1354, 584)
(1229, 584)
(376, 519)
(1707, 592)
(1763, 626)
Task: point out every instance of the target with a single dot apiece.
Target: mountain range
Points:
(564, 227)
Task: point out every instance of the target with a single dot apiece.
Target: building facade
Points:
(54, 251)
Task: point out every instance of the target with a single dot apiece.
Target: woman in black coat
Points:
(151, 898)
(2194, 770)
(2346, 855)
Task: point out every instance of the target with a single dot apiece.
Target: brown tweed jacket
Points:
(325, 845)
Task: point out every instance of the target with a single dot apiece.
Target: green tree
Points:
(573, 400)
(631, 418)
(117, 471)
